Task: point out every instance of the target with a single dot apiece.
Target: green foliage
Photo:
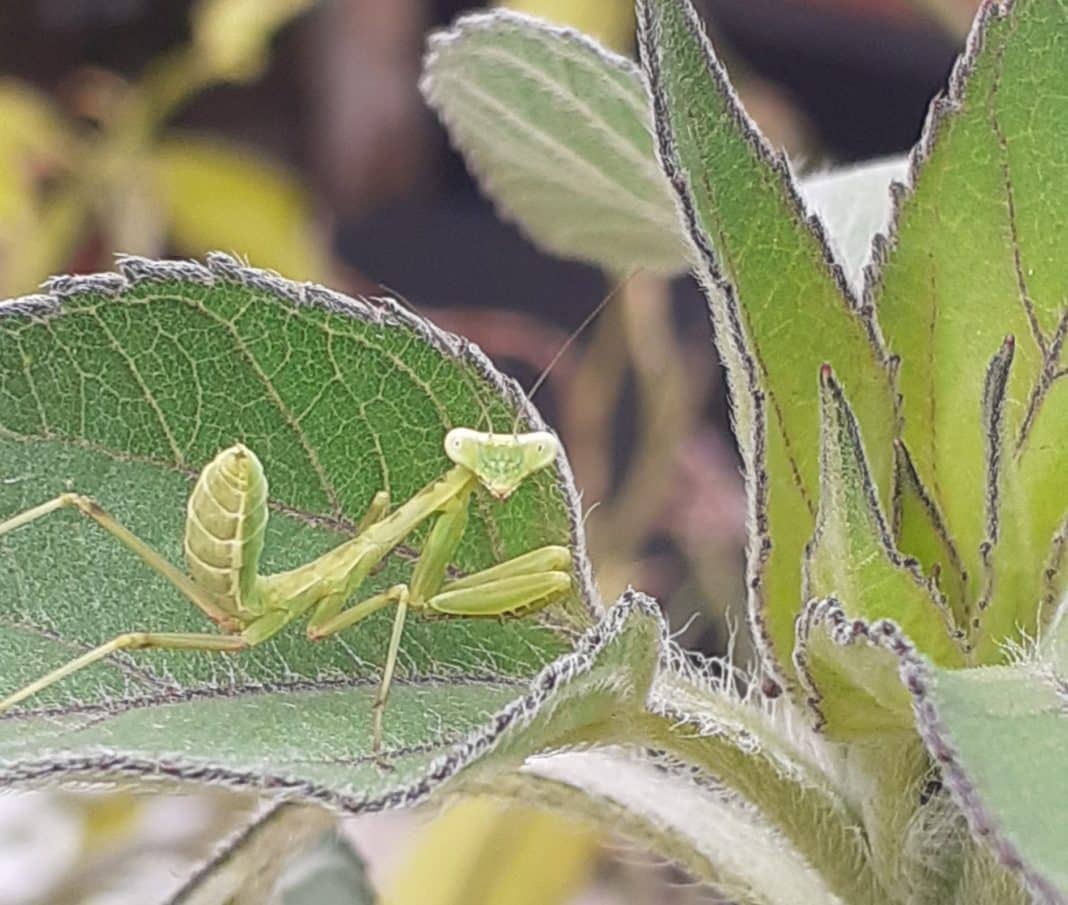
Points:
(977, 255)
(558, 130)
(121, 387)
(908, 509)
(927, 541)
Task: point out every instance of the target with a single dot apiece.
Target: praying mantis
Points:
(224, 535)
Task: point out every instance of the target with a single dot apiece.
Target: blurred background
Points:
(292, 133)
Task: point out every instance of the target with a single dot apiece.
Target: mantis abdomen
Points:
(227, 515)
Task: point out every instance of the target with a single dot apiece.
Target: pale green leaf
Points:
(121, 386)
(1000, 735)
(752, 754)
(976, 254)
(533, 108)
(715, 834)
(780, 304)
(217, 195)
(918, 522)
(850, 679)
(556, 128)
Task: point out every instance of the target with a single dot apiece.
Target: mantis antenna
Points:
(487, 420)
(586, 321)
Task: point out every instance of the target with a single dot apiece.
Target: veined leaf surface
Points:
(976, 254)
(122, 386)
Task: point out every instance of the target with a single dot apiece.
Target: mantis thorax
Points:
(501, 462)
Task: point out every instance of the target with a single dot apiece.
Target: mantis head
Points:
(501, 462)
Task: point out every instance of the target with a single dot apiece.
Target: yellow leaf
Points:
(485, 851)
(32, 134)
(611, 22)
(223, 197)
(232, 36)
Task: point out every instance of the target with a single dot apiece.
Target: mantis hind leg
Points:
(90, 508)
(128, 641)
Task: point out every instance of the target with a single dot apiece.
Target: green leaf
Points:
(999, 734)
(918, 522)
(851, 555)
(121, 386)
(850, 678)
(220, 196)
(556, 128)
(859, 676)
(780, 305)
(659, 807)
(533, 107)
(747, 749)
(975, 255)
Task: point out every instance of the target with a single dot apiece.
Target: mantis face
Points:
(501, 462)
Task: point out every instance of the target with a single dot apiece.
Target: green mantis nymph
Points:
(226, 517)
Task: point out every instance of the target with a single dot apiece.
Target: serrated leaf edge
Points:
(941, 109)
(843, 631)
(742, 367)
(553, 678)
(918, 676)
(776, 162)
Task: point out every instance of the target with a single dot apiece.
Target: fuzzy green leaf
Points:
(717, 836)
(851, 555)
(780, 305)
(532, 107)
(975, 255)
(751, 755)
(851, 681)
(122, 386)
(999, 734)
(556, 128)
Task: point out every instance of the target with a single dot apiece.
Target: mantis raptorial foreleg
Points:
(227, 514)
(375, 512)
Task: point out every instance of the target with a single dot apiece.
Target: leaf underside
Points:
(1000, 735)
(556, 128)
